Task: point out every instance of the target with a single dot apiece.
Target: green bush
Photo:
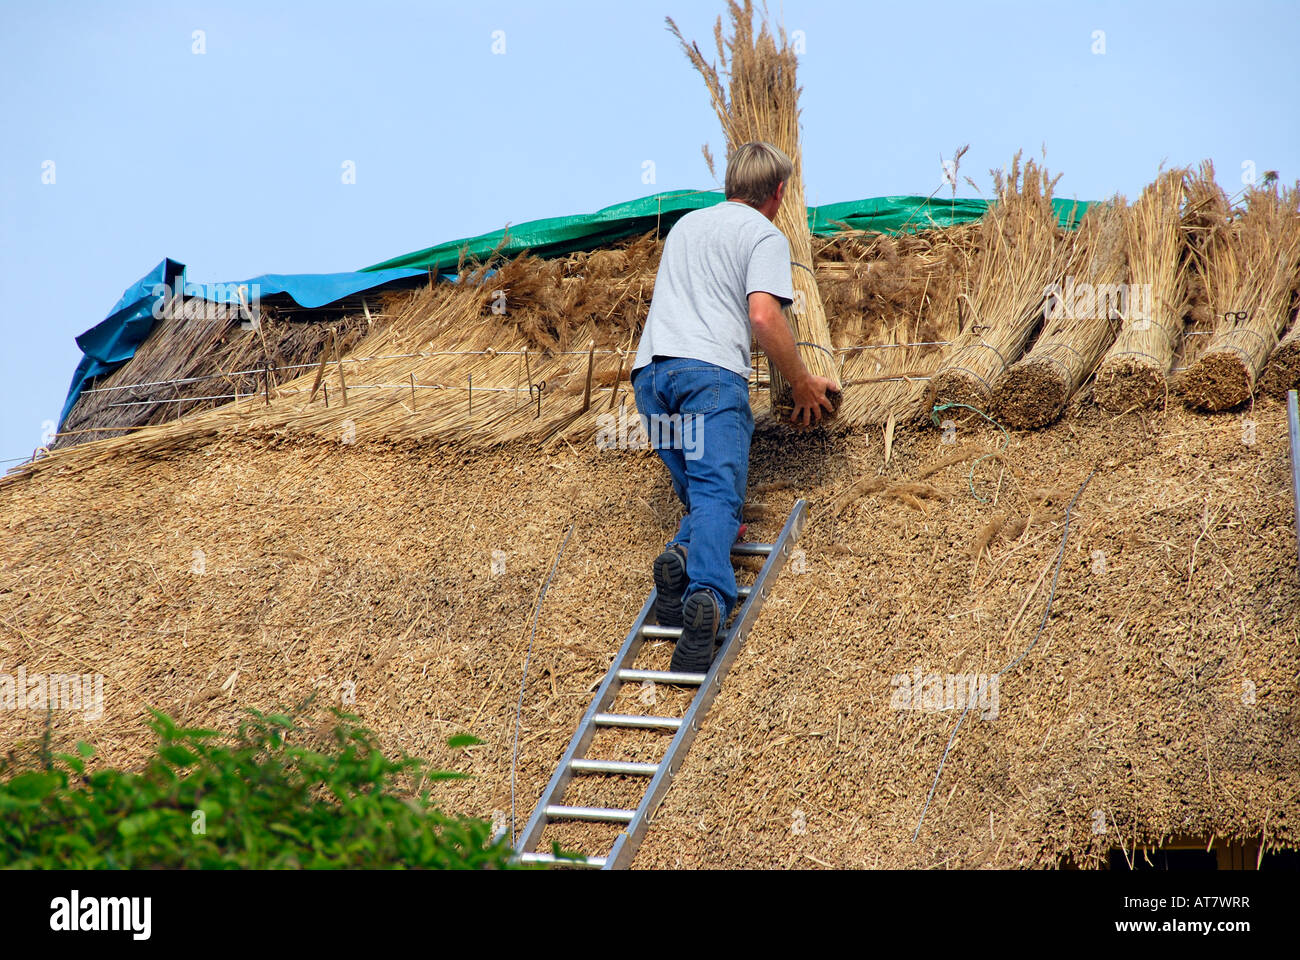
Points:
(250, 801)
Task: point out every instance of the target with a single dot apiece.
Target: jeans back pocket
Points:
(696, 389)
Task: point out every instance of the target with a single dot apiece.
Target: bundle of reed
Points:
(1133, 372)
(1283, 370)
(761, 102)
(1080, 320)
(1248, 265)
(1022, 252)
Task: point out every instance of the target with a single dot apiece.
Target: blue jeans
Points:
(698, 419)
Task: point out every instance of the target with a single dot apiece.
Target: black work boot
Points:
(670, 583)
(700, 620)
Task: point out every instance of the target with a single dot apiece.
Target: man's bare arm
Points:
(774, 336)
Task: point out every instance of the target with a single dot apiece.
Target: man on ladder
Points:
(723, 278)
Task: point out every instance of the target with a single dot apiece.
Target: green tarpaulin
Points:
(556, 236)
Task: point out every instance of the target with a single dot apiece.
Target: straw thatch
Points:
(895, 302)
(761, 102)
(541, 349)
(1081, 318)
(1134, 372)
(490, 359)
(201, 355)
(1248, 261)
(1022, 254)
(254, 570)
(380, 531)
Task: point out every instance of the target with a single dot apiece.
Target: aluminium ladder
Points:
(1293, 431)
(575, 762)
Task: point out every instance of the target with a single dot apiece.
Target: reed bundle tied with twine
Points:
(760, 101)
(1247, 262)
(1080, 320)
(1283, 370)
(1134, 371)
(1021, 253)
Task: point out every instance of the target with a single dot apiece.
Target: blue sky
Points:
(231, 160)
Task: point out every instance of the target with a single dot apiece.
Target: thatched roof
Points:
(326, 563)
(540, 348)
(342, 532)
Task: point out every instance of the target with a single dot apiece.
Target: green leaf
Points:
(138, 822)
(463, 740)
(180, 756)
(197, 733)
(34, 785)
(435, 775)
(268, 806)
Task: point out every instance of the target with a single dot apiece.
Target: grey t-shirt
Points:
(713, 260)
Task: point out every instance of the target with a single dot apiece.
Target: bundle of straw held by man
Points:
(761, 102)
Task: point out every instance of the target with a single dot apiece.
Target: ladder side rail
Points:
(625, 846)
(1293, 430)
(605, 694)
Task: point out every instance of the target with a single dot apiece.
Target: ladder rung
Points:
(662, 676)
(628, 767)
(590, 862)
(636, 720)
(602, 814)
(703, 687)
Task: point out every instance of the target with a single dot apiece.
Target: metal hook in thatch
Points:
(471, 392)
(320, 370)
(540, 387)
(338, 357)
(586, 393)
(618, 378)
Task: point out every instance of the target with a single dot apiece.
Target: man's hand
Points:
(811, 398)
(773, 334)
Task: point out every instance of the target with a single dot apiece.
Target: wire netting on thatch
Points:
(895, 304)
(491, 359)
(199, 356)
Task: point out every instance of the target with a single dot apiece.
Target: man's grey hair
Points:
(754, 170)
